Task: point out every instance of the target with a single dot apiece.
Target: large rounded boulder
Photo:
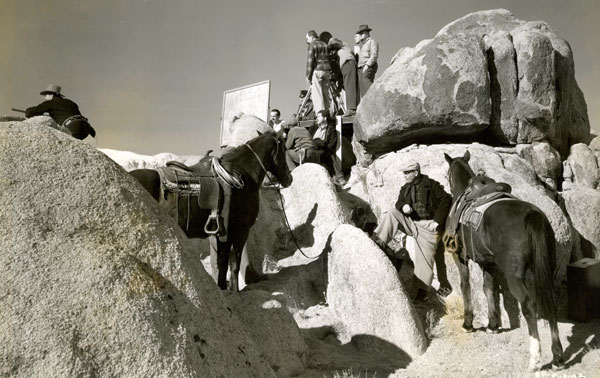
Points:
(97, 280)
(485, 77)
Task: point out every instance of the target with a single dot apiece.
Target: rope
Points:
(235, 181)
(287, 223)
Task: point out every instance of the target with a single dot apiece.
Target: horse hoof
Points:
(492, 330)
(468, 329)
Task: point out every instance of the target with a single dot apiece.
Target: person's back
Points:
(59, 108)
(300, 139)
(64, 112)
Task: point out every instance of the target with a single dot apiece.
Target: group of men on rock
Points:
(331, 66)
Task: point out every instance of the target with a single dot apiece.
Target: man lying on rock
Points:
(420, 212)
(64, 112)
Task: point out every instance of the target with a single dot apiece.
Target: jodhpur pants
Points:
(365, 79)
(320, 90)
(425, 237)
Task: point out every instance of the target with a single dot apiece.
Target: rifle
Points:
(17, 110)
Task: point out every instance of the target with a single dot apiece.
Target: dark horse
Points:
(252, 161)
(514, 238)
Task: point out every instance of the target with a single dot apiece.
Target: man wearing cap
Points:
(318, 71)
(367, 58)
(347, 64)
(64, 112)
(420, 212)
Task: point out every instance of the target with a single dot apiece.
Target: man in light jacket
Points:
(367, 59)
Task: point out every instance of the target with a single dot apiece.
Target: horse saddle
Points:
(201, 183)
(468, 209)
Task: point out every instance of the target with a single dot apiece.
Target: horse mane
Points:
(241, 150)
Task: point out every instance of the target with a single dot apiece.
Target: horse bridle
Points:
(269, 176)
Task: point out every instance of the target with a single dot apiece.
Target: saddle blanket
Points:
(473, 215)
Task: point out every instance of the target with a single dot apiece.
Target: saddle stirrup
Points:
(213, 218)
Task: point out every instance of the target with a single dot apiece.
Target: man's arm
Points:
(331, 139)
(289, 143)
(37, 110)
(310, 62)
(373, 52)
(401, 201)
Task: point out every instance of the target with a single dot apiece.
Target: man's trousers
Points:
(424, 233)
(320, 90)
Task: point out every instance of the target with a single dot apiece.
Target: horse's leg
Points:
(465, 288)
(557, 351)
(237, 248)
(490, 288)
(219, 254)
(518, 289)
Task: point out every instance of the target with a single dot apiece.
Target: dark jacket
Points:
(432, 194)
(59, 108)
(330, 142)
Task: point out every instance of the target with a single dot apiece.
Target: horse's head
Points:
(459, 172)
(279, 166)
(274, 157)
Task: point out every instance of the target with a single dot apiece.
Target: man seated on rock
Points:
(325, 137)
(420, 212)
(64, 112)
(301, 148)
(277, 124)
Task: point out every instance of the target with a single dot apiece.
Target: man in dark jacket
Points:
(420, 212)
(64, 112)
(326, 138)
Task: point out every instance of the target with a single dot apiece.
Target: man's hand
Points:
(434, 225)
(406, 209)
(365, 68)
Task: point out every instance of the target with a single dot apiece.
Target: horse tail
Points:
(542, 242)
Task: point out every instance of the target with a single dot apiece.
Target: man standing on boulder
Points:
(420, 212)
(64, 112)
(318, 71)
(367, 58)
(347, 64)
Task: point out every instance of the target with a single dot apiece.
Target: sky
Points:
(150, 75)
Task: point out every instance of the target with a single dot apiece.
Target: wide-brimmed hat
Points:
(52, 89)
(363, 28)
(411, 167)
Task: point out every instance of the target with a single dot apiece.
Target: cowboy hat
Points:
(52, 89)
(363, 28)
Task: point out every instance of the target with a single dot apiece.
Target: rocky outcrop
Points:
(46, 121)
(545, 161)
(313, 211)
(241, 129)
(583, 166)
(96, 279)
(486, 77)
(583, 206)
(273, 328)
(364, 292)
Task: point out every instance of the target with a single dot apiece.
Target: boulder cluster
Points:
(99, 281)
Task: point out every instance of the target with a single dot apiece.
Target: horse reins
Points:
(287, 223)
